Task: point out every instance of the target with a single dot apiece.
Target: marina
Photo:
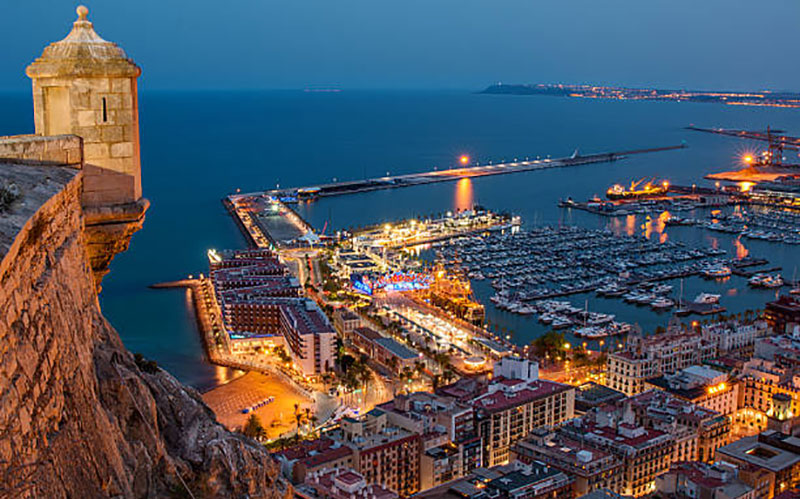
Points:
(529, 268)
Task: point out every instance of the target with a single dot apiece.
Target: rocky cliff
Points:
(79, 417)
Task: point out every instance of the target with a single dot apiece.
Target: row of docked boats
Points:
(762, 280)
(770, 225)
(548, 262)
(560, 314)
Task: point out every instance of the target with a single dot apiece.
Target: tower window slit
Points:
(105, 111)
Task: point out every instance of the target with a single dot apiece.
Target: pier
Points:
(246, 208)
(452, 174)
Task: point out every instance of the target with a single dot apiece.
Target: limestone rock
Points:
(78, 417)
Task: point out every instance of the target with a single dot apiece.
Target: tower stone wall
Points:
(87, 86)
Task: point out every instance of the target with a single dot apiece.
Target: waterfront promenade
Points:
(230, 399)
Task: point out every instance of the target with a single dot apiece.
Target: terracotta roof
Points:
(501, 400)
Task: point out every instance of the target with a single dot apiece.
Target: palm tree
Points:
(253, 428)
(298, 417)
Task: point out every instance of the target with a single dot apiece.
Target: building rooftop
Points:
(347, 315)
(656, 402)
(538, 474)
(500, 400)
(396, 348)
(763, 455)
(83, 53)
(315, 452)
(593, 394)
(368, 333)
(306, 317)
(603, 494)
(785, 303)
(720, 476)
(342, 483)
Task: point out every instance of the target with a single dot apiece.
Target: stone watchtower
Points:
(86, 86)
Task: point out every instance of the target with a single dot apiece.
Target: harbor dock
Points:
(452, 174)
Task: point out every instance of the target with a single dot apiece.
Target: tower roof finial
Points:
(83, 12)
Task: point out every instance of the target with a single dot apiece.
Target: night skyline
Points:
(446, 44)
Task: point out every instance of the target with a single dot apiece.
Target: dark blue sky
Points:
(464, 44)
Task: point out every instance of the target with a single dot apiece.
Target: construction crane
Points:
(776, 144)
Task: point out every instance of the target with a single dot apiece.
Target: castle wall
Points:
(37, 150)
(78, 416)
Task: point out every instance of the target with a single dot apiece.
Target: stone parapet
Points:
(55, 150)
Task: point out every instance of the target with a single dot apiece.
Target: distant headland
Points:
(760, 98)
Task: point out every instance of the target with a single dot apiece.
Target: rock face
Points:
(79, 417)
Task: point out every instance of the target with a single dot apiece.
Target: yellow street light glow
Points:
(464, 159)
(567, 346)
(748, 159)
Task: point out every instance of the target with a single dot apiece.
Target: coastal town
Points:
(598, 332)
(378, 353)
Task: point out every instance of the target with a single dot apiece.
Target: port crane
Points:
(776, 144)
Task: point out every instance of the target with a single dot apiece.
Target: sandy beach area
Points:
(228, 400)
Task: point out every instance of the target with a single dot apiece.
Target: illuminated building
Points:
(516, 480)
(772, 457)
(783, 350)
(590, 467)
(644, 452)
(734, 337)
(346, 321)
(260, 304)
(453, 293)
(760, 382)
(701, 386)
(263, 258)
(508, 409)
(696, 479)
(649, 189)
(384, 350)
(783, 314)
(457, 452)
(439, 465)
(351, 262)
(383, 454)
(313, 456)
(651, 356)
(341, 483)
(698, 431)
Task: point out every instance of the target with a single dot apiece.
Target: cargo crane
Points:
(776, 145)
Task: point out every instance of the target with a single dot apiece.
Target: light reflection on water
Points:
(464, 195)
(741, 250)
(630, 225)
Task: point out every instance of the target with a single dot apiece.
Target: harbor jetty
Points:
(451, 174)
